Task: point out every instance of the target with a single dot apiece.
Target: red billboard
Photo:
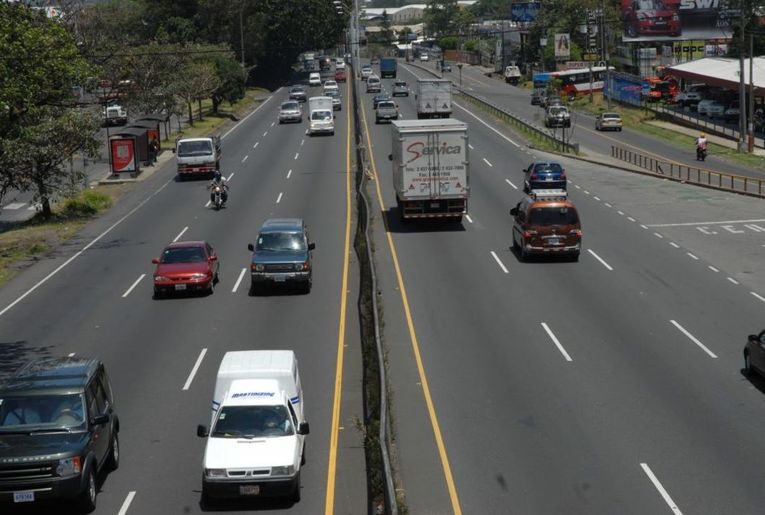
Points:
(672, 20)
(124, 158)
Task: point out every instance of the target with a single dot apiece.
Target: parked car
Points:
(611, 121)
(290, 111)
(732, 113)
(544, 175)
(710, 107)
(386, 110)
(186, 266)
(546, 222)
(689, 99)
(298, 93)
(281, 254)
(754, 354)
(400, 88)
(651, 17)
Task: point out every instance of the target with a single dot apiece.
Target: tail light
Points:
(576, 232)
(529, 234)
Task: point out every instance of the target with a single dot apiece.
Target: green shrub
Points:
(87, 203)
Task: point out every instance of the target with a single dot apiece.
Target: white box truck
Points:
(197, 156)
(434, 98)
(321, 116)
(430, 168)
(256, 438)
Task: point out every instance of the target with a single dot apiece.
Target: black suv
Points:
(282, 254)
(58, 430)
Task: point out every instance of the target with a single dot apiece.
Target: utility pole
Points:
(750, 111)
(241, 32)
(742, 85)
(604, 50)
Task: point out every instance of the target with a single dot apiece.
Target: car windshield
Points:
(610, 116)
(194, 148)
(297, 90)
(400, 84)
(386, 105)
(253, 422)
(42, 412)
(557, 110)
(290, 106)
(321, 116)
(548, 167)
(373, 80)
(553, 216)
(366, 67)
(182, 255)
(281, 241)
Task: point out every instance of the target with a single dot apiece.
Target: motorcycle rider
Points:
(218, 180)
(701, 145)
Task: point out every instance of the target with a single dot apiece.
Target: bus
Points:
(574, 82)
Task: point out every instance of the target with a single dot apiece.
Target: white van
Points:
(321, 116)
(256, 438)
(314, 79)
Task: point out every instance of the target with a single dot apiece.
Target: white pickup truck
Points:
(256, 439)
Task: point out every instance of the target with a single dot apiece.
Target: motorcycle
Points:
(217, 197)
(701, 153)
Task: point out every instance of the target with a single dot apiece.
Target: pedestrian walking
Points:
(153, 150)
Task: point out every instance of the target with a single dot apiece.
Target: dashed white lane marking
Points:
(674, 244)
(501, 265)
(230, 176)
(644, 226)
(556, 342)
(658, 235)
(487, 162)
(71, 354)
(14, 205)
(731, 279)
(586, 192)
(577, 186)
(470, 146)
(296, 155)
(265, 134)
(600, 259)
(132, 286)
(631, 219)
(180, 234)
(709, 223)
(660, 488)
(256, 144)
(208, 204)
(273, 123)
(469, 219)
(693, 339)
(758, 296)
(126, 503)
(692, 256)
(511, 184)
(279, 199)
(607, 204)
(301, 142)
(239, 280)
(194, 370)
(240, 122)
(621, 212)
(289, 173)
(245, 158)
(597, 198)
(713, 268)
(488, 126)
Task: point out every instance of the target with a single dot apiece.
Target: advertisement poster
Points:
(525, 12)
(671, 20)
(123, 155)
(562, 46)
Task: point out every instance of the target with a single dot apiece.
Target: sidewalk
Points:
(694, 133)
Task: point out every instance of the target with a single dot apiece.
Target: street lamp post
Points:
(459, 65)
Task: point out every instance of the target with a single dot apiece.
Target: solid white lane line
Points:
(265, 134)
(487, 125)
(240, 122)
(127, 292)
(239, 280)
(289, 173)
(194, 370)
(256, 144)
(674, 244)
(758, 296)
(693, 339)
(83, 249)
(600, 259)
(501, 265)
(660, 488)
(71, 354)
(180, 234)
(713, 268)
(556, 342)
(208, 204)
(470, 146)
(709, 223)
(511, 184)
(469, 219)
(126, 504)
(487, 162)
(279, 199)
(230, 176)
(692, 256)
(630, 219)
(731, 279)
(658, 235)
(245, 158)
(296, 155)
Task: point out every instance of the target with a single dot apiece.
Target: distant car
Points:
(314, 79)
(689, 98)
(710, 107)
(374, 60)
(298, 93)
(651, 18)
(546, 222)
(382, 97)
(339, 64)
(754, 354)
(114, 114)
(446, 67)
(552, 100)
(544, 175)
(330, 85)
(423, 56)
(536, 97)
(373, 84)
(400, 88)
(611, 121)
(290, 111)
(386, 110)
(186, 266)
(337, 103)
(732, 113)
(557, 116)
(366, 72)
(281, 254)
(340, 76)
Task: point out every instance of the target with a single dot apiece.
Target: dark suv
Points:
(58, 430)
(282, 254)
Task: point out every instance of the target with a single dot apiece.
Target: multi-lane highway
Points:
(94, 298)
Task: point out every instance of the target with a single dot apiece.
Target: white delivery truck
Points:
(321, 116)
(197, 156)
(256, 438)
(512, 74)
(434, 98)
(430, 168)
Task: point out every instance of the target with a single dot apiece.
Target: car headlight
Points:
(302, 266)
(161, 278)
(283, 471)
(215, 473)
(259, 267)
(69, 467)
(199, 276)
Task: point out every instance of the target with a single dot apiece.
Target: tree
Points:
(231, 86)
(387, 33)
(439, 16)
(196, 80)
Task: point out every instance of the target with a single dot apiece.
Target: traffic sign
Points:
(590, 57)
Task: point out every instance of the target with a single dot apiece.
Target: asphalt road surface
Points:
(94, 298)
(611, 385)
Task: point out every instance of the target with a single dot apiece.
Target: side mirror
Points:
(155, 261)
(213, 258)
(303, 428)
(390, 157)
(311, 246)
(99, 420)
(250, 247)
(202, 431)
(753, 338)
(514, 211)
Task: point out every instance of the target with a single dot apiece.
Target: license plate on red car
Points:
(249, 490)
(180, 287)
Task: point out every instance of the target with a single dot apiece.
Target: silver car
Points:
(386, 110)
(290, 111)
(337, 103)
(612, 121)
(400, 88)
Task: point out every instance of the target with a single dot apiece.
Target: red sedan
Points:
(340, 76)
(186, 266)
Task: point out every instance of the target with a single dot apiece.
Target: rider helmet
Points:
(217, 175)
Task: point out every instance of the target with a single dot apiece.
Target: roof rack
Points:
(549, 194)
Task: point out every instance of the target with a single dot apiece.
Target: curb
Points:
(146, 172)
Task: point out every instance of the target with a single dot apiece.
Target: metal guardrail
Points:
(691, 174)
(695, 122)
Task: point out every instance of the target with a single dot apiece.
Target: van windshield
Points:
(321, 116)
(253, 422)
(194, 148)
(553, 216)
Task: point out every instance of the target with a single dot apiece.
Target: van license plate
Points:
(280, 278)
(435, 204)
(249, 490)
(179, 287)
(23, 497)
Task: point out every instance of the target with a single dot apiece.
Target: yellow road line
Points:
(329, 505)
(413, 338)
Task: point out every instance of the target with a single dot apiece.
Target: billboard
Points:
(562, 46)
(671, 20)
(624, 88)
(124, 158)
(525, 12)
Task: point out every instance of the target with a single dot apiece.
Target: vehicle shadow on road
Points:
(223, 505)
(540, 259)
(394, 224)
(16, 353)
(756, 380)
